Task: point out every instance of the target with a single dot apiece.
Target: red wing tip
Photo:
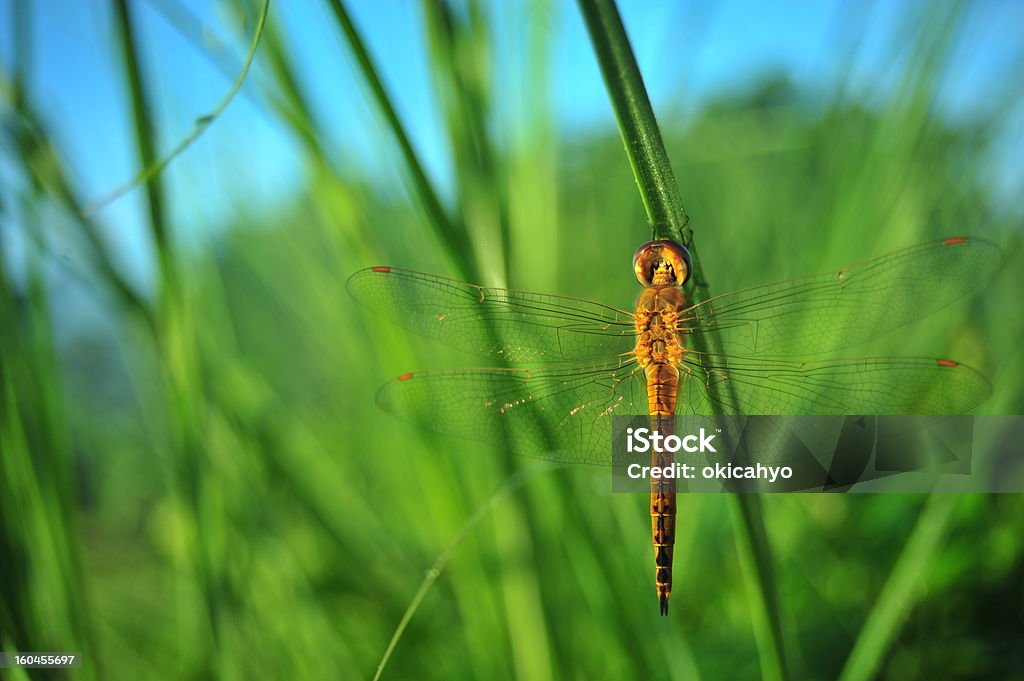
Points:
(405, 377)
(382, 270)
(948, 363)
(955, 240)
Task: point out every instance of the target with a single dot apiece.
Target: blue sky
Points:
(688, 51)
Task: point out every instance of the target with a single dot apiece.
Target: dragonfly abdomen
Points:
(660, 353)
(662, 387)
(663, 532)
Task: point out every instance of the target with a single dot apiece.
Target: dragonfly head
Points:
(662, 263)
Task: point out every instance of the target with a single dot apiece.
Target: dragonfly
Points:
(743, 352)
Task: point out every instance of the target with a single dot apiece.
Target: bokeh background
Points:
(194, 480)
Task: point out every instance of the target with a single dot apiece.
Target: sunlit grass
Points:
(206, 488)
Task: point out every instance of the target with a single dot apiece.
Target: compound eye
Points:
(662, 263)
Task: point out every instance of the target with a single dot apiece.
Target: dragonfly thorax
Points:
(657, 320)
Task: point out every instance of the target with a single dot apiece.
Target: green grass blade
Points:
(451, 232)
(144, 135)
(41, 161)
(902, 589)
(759, 572)
(183, 394)
(460, 49)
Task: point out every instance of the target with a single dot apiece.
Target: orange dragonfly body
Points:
(591, 361)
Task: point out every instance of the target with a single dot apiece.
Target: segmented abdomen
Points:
(661, 354)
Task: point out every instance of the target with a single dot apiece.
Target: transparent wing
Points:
(492, 322)
(563, 413)
(824, 312)
(560, 413)
(865, 385)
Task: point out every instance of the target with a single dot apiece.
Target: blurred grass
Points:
(203, 486)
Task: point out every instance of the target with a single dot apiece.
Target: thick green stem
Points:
(640, 133)
(664, 205)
